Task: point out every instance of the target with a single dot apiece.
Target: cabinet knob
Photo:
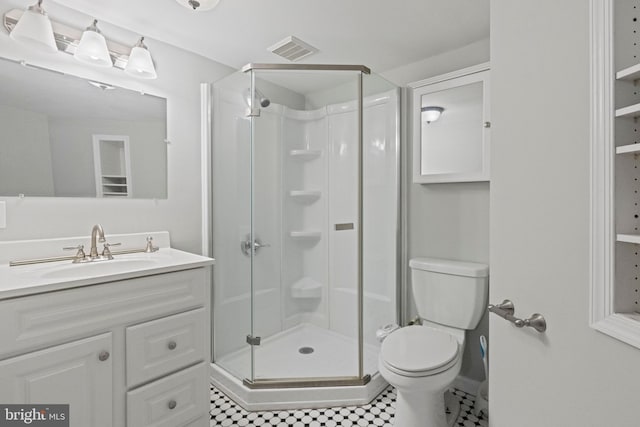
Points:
(172, 345)
(172, 404)
(487, 124)
(104, 355)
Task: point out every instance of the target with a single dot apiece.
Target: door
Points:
(571, 375)
(78, 374)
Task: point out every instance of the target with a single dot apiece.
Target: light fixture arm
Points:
(38, 8)
(94, 27)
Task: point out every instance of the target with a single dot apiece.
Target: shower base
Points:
(304, 351)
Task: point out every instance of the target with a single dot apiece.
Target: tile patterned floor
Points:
(379, 413)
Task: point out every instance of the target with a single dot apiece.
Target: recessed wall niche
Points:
(615, 177)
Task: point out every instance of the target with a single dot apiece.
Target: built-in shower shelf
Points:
(305, 196)
(305, 234)
(630, 111)
(628, 238)
(305, 154)
(306, 288)
(628, 149)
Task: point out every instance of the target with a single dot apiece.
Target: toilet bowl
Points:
(421, 362)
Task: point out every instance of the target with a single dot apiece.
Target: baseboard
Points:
(466, 384)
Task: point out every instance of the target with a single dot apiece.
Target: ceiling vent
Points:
(292, 48)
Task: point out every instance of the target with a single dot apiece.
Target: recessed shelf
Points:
(630, 111)
(305, 234)
(628, 238)
(628, 149)
(630, 73)
(306, 288)
(305, 154)
(305, 196)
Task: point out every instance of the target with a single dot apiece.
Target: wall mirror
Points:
(451, 127)
(64, 136)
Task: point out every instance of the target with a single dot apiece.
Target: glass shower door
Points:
(306, 295)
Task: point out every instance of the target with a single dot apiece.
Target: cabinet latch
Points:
(251, 340)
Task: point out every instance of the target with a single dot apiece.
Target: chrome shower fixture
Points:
(263, 100)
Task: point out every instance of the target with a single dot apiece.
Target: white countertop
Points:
(32, 279)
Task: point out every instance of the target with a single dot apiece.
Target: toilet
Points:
(421, 361)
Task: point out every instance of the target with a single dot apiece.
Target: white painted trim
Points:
(205, 154)
(602, 315)
(485, 66)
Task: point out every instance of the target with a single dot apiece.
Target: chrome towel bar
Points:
(506, 310)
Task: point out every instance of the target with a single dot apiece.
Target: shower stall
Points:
(305, 232)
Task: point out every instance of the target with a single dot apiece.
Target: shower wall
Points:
(305, 183)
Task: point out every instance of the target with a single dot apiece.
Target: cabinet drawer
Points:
(172, 401)
(165, 345)
(33, 322)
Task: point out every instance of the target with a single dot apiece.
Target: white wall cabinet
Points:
(452, 146)
(127, 353)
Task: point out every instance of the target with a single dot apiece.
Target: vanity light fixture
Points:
(199, 5)
(431, 114)
(93, 47)
(140, 63)
(34, 28)
(89, 46)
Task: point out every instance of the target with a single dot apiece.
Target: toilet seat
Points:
(418, 351)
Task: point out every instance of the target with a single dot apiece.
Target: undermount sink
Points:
(116, 265)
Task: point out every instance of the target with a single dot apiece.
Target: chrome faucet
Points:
(96, 232)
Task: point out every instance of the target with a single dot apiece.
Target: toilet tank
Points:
(452, 293)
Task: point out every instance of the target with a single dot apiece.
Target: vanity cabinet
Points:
(126, 353)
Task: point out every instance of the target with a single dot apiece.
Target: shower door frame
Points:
(362, 378)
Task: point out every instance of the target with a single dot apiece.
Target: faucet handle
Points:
(106, 252)
(80, 255)
(150, 247)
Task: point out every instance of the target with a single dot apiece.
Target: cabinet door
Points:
(78, 373)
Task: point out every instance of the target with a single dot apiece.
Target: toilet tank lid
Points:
(448, 266)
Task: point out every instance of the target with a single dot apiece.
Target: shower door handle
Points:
(245, 245)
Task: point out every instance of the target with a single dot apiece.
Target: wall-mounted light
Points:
(91, 47)
(140, 63)
(431, 114)
(34, 28)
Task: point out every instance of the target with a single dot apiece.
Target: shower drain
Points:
(305, 350)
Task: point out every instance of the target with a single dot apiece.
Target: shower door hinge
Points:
(253, 112)
(251, 340)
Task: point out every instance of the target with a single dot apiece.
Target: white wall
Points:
(32, 130)
(572, 375)
(445, 220)
(179, 76)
